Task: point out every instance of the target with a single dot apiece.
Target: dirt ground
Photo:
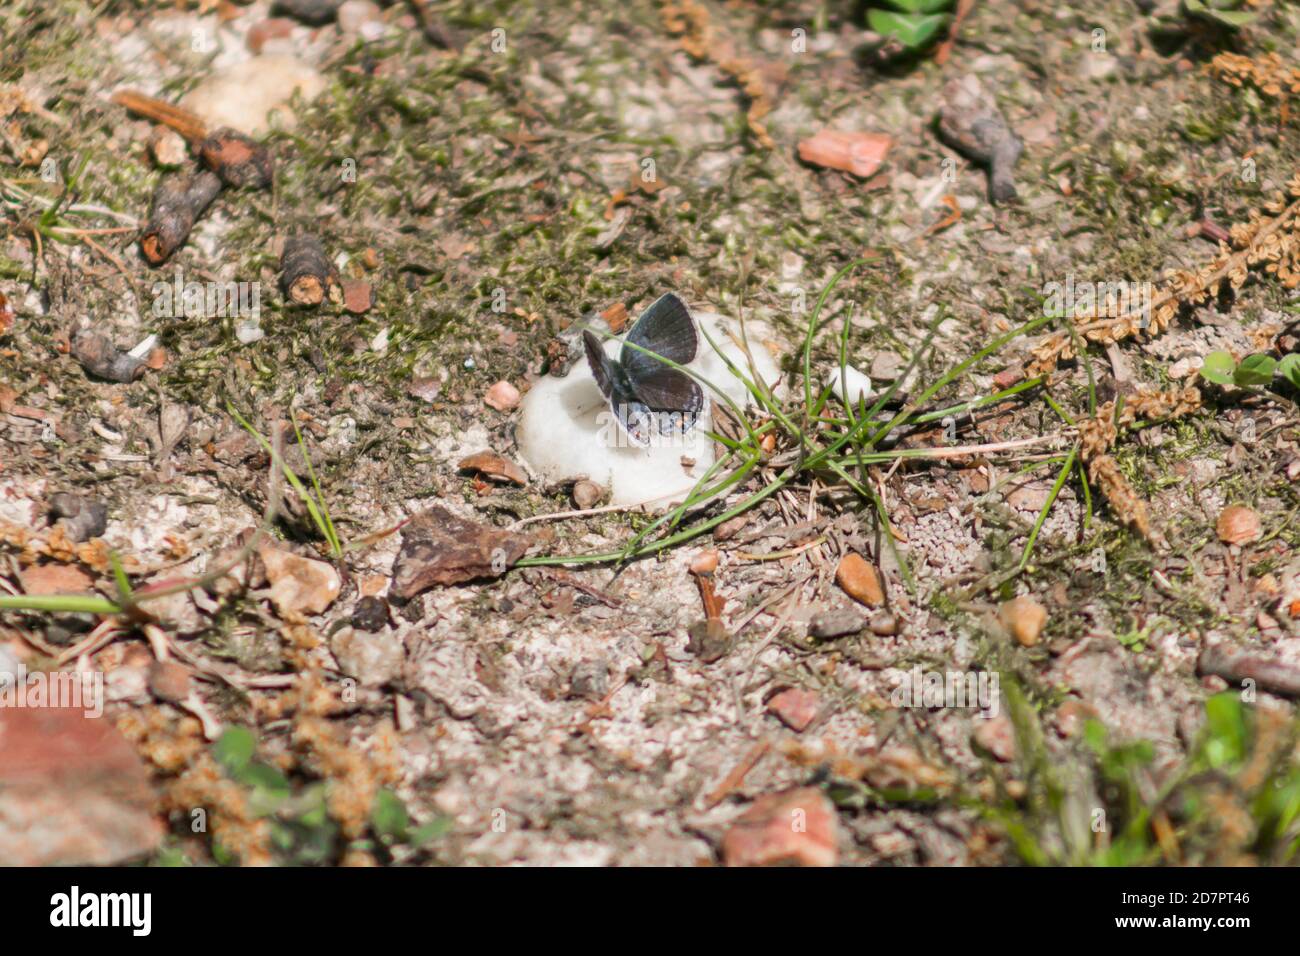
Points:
(476, 174)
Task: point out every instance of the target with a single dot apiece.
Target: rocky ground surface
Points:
(418, 678)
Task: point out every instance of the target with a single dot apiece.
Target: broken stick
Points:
(238, 159)
(177, 204)
(307, 276)
(182, 120)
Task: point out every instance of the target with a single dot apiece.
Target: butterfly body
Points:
(648, 396)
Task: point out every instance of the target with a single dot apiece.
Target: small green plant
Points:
(301, 829)
(1110, 807)
(1227, 13)
(1136, 638)
(913, 23)
(392, 824)
(313, 500)
(1255, 372)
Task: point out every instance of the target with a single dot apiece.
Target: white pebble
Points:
(858, 384)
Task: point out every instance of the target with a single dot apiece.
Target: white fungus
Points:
(566, 430)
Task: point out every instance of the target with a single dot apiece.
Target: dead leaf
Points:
(441, 548)
(494, 466)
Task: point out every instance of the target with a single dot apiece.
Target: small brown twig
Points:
(964, 8)
(177, 204)
(702, 568)
(105, 633)
(738, 773)
(564, 577)
(238, 159)
(181, 120)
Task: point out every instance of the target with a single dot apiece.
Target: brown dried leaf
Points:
(441, 548)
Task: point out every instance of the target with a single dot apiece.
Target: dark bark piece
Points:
(307, 275)
(177, 204)
(971, 123)
(102, 359)
(439, 548)
(238, 159)
(313, 12)
(1235, 667)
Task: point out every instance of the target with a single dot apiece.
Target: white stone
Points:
(249, 332)
(354, 15)
(243, 96)
(853, 383)
(566, 429)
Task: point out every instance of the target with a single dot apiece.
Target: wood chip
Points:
(858, 153)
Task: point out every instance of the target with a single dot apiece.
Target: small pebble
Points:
(883, 624)
(169, 681)
(795, 708)
(590, 679)
(860, 580)
(502, 396)
(425, 389)
(826, 625)
(587, 494)
(997, 736)
(373, 659)
(358, 296)
(763, 834)
(81, 517)
(1024, 618)
(370, 614)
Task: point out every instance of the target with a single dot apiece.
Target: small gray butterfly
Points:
(646, 395)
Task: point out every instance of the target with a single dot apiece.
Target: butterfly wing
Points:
(670, 393)
(612, 380)
(667, 329)
(603, 368)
